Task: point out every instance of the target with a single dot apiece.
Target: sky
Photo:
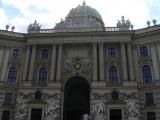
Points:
(20, 13)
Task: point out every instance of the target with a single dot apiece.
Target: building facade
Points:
(80, 68)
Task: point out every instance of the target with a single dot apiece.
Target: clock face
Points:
(77, 66)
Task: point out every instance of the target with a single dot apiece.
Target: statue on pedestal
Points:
(132, 110)
(51, 110)
(34, 28)
(20, 108)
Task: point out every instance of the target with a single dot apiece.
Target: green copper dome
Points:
(85, 10)
(81, 17)
(90, 12)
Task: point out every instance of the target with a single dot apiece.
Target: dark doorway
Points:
(36, 114)
(115, 114)
(76, 98)
(6, 115)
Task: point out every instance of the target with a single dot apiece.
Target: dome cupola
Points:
(82, 16)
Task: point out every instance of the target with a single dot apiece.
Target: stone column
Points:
(136, 65)
(130, 60)
(94, 52)
(5, 64)
(155, 63)
(59, 62)
(26, 63)
(101, 61)
(124, 62)
(53, 63)
(1, 57)
(31, 67)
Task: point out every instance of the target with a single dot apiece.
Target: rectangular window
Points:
(149, 98)
(151, 116)
(44, 53)
(15, 54)
(112, 52)
(143, 51)
(8, 98)
(6, 115)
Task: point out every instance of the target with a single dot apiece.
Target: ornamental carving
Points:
(98, 110)
(21, 111)
(51, 111)
(34, 28)
(132, 110)
(77, 65)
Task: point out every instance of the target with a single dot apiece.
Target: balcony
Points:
(114, 84)
(39, 83)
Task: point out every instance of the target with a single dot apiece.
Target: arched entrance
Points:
(76, 98)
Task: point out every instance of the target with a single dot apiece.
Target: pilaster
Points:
(155, 63)
(101, 61)
(5, 64)
(124, 62)
(94, 51)
(59, 62)
(130, 60)
(31, 67)
(136, 65)
(53, 63)
(26, 63)
(1, 57)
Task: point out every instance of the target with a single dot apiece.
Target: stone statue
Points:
(98, 110)
(7, 27)
(20, 108)
(124, 24)
(13, 27)
(148, 23)
(132, 27)
(51, 110)
(35, 27)
(132, 110)
(154, 22)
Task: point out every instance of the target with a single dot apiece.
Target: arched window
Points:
(147, 74)
(113, 74)
(43, 73)
(12, 75)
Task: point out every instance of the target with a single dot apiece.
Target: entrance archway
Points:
(76, 98)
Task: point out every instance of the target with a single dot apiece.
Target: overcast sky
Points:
(21, 13)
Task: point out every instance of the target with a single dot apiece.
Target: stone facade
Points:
(81, 50)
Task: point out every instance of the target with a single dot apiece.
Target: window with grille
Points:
(143, 51)
(44, 53)
(12, 75)
(112, 52)
(43, 73)
(147, 74)
(15, 54)
(151, 116)
(112, 74)
(149, 98)
(8, 99)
